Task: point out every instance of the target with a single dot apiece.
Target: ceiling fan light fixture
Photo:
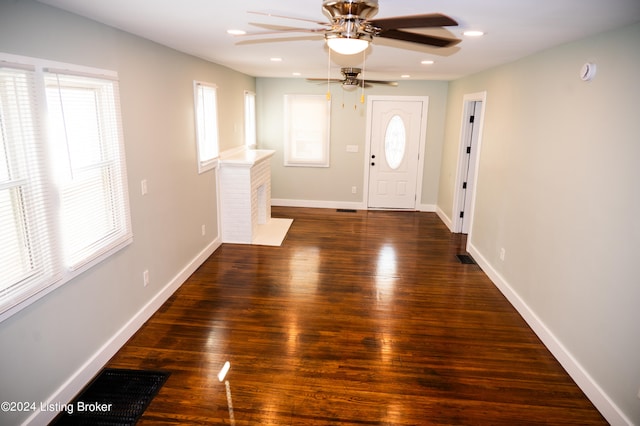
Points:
(347, 46)
(350, 86)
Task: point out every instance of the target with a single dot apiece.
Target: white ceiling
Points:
(514, 29)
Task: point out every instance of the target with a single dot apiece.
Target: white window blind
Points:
(63, 194)
(88, 165)
(250, 138)
(306, 130)
(206, 100)
(27, 258)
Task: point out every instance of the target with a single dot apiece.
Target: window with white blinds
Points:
(206, 102)
(63, 197)
(88, 165)
(306, 130)
(27, 256)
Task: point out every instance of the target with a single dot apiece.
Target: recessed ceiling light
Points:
(405, 76)
(473, 33)
(236, 32)
(427, 62)
(276, 59)
(297, 74)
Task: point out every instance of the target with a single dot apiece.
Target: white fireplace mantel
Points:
(245, 157)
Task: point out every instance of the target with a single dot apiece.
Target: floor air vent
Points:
(345, 210)
(115, 397)
(466, 259)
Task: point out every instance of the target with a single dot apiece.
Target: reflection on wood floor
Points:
(363, 318)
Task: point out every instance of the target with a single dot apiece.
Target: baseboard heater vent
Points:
(346, 210)
(466, 259)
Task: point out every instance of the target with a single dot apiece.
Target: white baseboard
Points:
(77, 381)
(282, 202)
(430, 208)
(592, 390)
(444, 218)
(336, 204)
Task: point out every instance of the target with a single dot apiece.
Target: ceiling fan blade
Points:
(386, 83)
(287, 17)
(279, 29)
(324, 80)
(414, 21)
(287, 38)
(428, 40)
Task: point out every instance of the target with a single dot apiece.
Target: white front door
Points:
(396, 128)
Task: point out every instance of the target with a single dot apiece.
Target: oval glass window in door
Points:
(395, 142)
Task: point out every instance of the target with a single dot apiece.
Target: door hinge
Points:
(464, 185)
(472, 118)
(461, 214)
(468, 150)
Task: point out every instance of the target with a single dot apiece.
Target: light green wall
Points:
(348, 127)
(44, 344)
(557, 189)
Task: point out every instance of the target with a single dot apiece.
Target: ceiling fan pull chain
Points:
(364, 64)
(329, 77)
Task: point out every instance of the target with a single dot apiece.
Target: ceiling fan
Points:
(351, 28)
(351, 79)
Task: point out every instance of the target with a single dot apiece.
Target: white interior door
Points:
(396, 130)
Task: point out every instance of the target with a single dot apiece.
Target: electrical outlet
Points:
(143, 187)
(204, 230)
(145, 277)
(354, 190)
(502, 253)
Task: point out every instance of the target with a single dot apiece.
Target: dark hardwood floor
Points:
(363, 318)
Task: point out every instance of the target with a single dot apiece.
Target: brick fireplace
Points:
(245, 196)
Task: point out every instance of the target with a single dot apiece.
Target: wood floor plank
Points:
(364, 318)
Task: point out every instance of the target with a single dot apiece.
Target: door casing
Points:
(458, 200)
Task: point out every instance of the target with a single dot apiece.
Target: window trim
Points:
(205, 164)
(63, 273)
